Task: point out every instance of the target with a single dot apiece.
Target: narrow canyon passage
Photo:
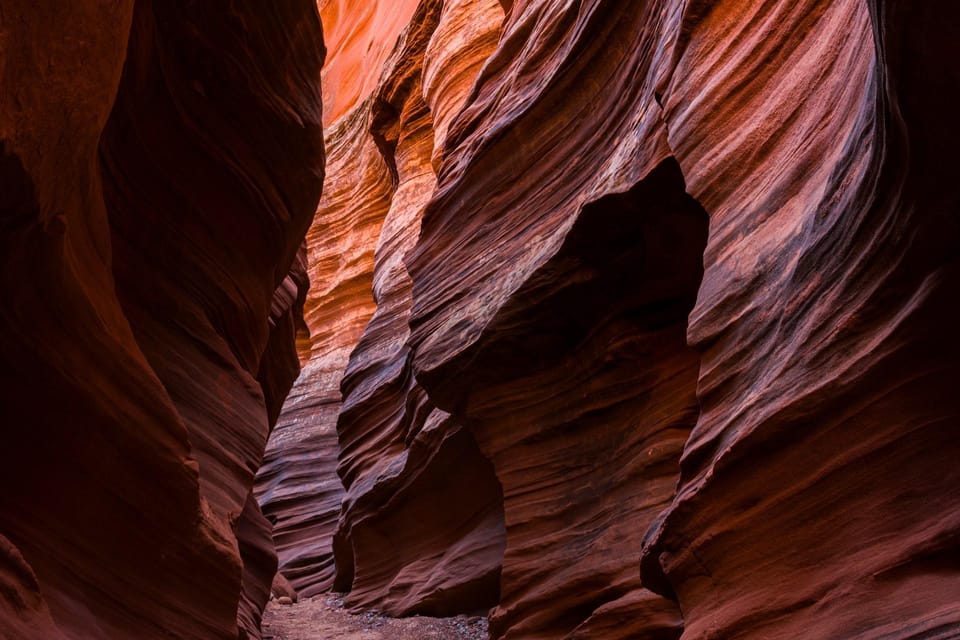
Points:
(479, 320)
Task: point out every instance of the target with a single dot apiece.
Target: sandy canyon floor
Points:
(324, 618)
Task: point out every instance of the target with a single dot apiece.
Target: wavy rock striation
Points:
(625, 320)
(560, 254)
(421, 529)
(161, 162)
(678, 274)
(558, 260)
(297, 486)
(817, 495)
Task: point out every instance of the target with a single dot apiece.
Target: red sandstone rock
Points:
(552, 278)
(139, 293)
(422, 524)
(818, 494)
(297, 486)
(511, 239)
(281, 588)
(827, 260)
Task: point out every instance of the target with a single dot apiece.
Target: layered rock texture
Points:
(626, 319)
(818, 489)
(658, 335)
(161, 162)
(421, 530)
(399, 457)
(297, 486)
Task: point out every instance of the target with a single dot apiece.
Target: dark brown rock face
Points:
(161, 164)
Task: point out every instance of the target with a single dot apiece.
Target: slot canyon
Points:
(463, 319)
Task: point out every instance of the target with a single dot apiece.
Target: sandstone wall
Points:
(678, 275)
(297, 485)
(161, 164)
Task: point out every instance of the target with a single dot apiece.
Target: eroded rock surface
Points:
(557, 263)
(625, 320)
(678, 271)
(817, 496)
(161, 164)
(297, 486)
(406, 556)
(421, 529)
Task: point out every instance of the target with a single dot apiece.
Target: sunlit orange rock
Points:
(297, 485)
(421, 530)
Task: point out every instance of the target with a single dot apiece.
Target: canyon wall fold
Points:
(818, 489)
(421, 529)
(297, 486)
(557, 262)
(161, 162)
(660, 302)
(394, 446)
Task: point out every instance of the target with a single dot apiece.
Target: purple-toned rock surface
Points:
(161, 162)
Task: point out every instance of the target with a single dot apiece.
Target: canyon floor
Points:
(324, 618)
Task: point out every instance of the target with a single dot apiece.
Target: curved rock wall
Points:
(557, 263)
(297, 486)
(380, 149)
(161, 162)
(681, 281)
(626, 319)
(817, 497)
(421, 529)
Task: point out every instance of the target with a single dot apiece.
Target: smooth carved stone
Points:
(618, 310)
(160, 166)
(421, 529)
(297, 485)
(360, 36)
(556, 265)
(281, 587)
(818, 490)
(465, 35)
(255, 544)
(777, 465)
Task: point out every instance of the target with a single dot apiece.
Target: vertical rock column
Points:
(557, 263)
(422, 525)
(297, 485)
(213, 169)
(146, 299)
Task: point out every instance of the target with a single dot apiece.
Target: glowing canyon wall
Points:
(614, 319)
(656, 337)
